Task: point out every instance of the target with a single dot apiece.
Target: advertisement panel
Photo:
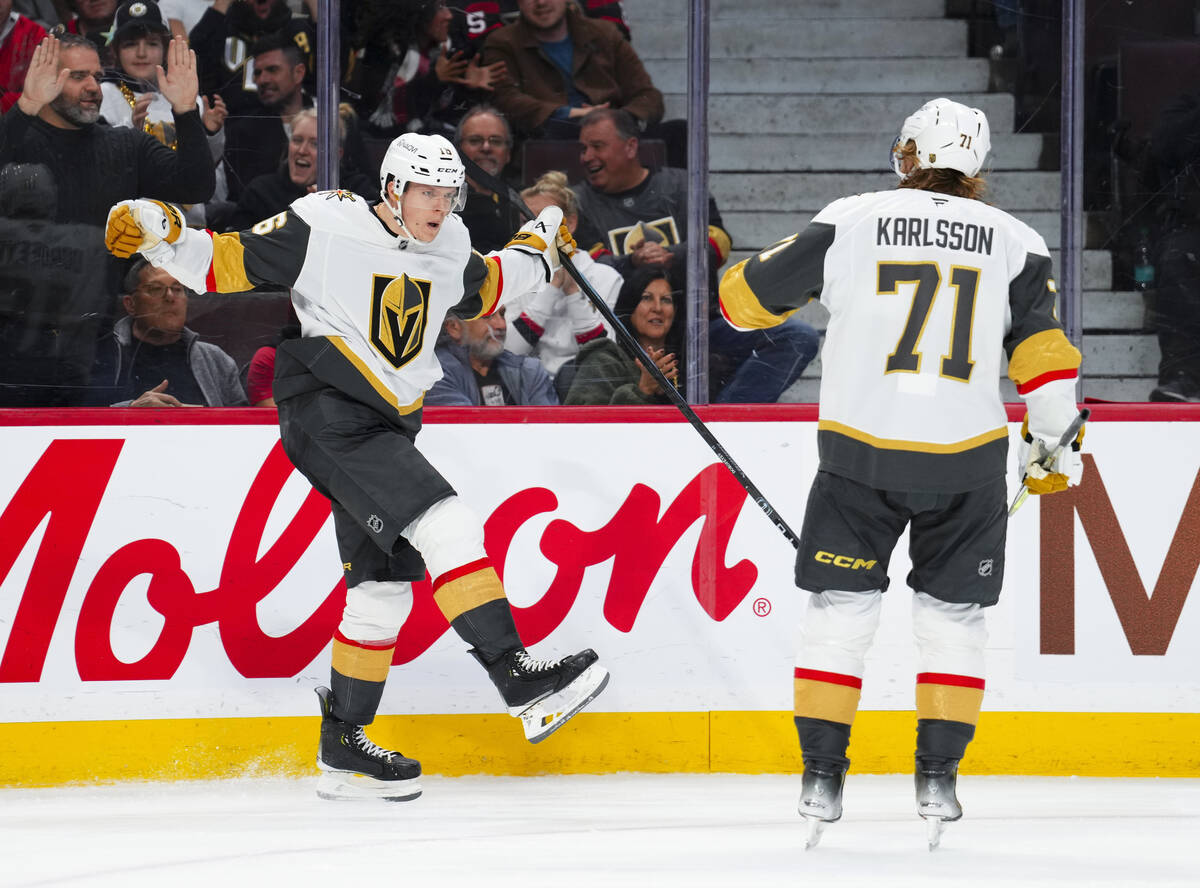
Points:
(186, 571)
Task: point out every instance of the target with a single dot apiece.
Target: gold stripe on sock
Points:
(368, 664)
(466, 592)
(830, 702)
(949, 703)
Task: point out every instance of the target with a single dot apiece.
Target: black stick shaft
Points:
(634, 349)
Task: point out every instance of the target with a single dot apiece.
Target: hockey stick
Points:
(634, 349)
(1050, 458)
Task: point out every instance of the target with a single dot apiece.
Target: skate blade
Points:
(933, 831)
(816, 829)
(340, 786)
(549, 714)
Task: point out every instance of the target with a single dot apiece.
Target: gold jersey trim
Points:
(375, 382)
(1042, 353)
(741, 306)
(229, 264)
(828, 425)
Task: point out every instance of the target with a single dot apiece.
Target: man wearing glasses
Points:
(151, 359)
(485, 137)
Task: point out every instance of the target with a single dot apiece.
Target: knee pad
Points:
(950, 637)
(838, 630)
(375, 611)
(448, 535)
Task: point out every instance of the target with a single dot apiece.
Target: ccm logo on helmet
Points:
(844, 561)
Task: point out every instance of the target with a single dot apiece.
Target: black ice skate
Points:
(546, 694)
(355, 768)
(820, 799)
(937, 802)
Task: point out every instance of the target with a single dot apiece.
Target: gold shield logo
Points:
(399, 315)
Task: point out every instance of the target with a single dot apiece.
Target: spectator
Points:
(224, 39)
(18, 39)
(417, 80)
(151, 359)
(47, 13)
(477, 371)
(257, 143)
(1175, 150)
(473, 21)
(297, 176)
(561, 65)
(556, 320)
(484, 137)
(640, 218)
(260, 374)
(183, 15)
(93, 19)
(131, 94)
(53, 123)
(605, 374)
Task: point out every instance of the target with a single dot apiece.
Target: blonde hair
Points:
(943, 181)
(554, 186)
(311, 113)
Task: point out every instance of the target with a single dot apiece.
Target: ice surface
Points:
(627, 829)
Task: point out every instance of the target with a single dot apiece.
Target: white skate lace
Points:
(361, 741)
(530, 664)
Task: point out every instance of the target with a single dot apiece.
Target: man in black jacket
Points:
(54, 123)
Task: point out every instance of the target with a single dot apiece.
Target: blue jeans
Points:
(760, 364)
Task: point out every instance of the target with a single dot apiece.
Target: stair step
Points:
(638, 12)
(811, 152)
(798, 76)
(774, 113)
(803, 38)
(800, 192)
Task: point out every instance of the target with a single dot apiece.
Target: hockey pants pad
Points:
(837, 631)
(375, 611)
(950, 637)
(448, 535)
(950, 660)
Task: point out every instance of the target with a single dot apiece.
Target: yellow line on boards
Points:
(1041, 743)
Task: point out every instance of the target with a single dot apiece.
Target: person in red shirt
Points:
(19, 37)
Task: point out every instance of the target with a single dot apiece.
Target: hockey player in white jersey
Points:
(371, 283)
(928, 288)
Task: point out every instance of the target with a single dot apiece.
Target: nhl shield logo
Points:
(376, 524)
(985, 567)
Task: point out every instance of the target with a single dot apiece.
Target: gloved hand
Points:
(135, 226)
(540, 237)
(1038, 471)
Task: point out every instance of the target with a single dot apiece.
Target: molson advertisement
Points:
(177, 579)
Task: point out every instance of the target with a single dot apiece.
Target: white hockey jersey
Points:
(926, 294)
(379, 300)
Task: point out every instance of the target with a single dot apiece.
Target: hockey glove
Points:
(1042, 471)
(540, 238)
(135, 226)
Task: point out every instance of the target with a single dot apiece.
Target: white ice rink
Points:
(627, 830)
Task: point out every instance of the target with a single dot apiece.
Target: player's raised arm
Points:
(271, 252)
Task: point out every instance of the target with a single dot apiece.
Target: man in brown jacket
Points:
(562, 65)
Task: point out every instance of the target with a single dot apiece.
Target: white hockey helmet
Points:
(947, 136)
(425, 160)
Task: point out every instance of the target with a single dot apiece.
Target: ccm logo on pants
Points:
(844, 561)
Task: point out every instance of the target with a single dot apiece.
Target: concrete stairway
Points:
(805, 97)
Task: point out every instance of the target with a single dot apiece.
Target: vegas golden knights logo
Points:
(399, 314)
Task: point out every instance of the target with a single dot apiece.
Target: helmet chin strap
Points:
(395, 211)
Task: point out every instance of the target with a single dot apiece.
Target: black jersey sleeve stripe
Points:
(1031, 297)
(275, 249)
(481, 287)
(787, 276)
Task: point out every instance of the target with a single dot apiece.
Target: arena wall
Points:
(169, 586)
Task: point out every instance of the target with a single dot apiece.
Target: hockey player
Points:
(371, 283)
(927, 289)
